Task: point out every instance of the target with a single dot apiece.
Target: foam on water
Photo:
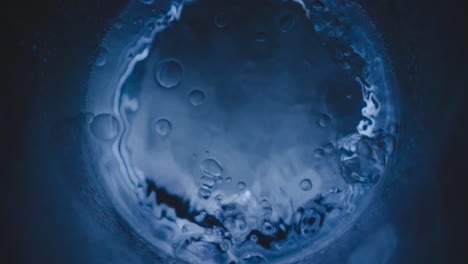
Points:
(275, 156)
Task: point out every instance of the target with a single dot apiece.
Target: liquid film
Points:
(250, 131)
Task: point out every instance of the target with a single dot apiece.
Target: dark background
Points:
(49, 44)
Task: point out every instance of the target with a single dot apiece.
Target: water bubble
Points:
(197, 97)
(318, 6)
(287, 22)
(261, 37)
(329, 148)
(219, 197)
(204, 193)
(241, 186)
(225, 245)
(306, 185)
(105, 127)
(147, 2)
(207, 182)
(319, 153)
(254, 238)
(266, 207)
(310, 222)
(101, 56)
(211, 167)
(268, 228)
(162, 127)
(228, 180)
(221, 20)
(168, 73)
(324, 120)
(254, 259)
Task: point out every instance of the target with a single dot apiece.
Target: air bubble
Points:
(306, 185)
(254, 259)
(310, 222)
(324, 120)
(319, 153)
(329, 148)
(197, 97)
(287, 22)
(268, 228)
(211, 167)
(162, 127)
(221, 20)
(207, 182)
(204, 193)
(101, 56)
(261, 37)
(168, 73)
(105, 127)
(241, 186)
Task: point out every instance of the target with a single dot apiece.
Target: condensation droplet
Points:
(101, 56)
(306, 185)
(197, 97)
(241, 186)
(105, 127)
(228, 180)
(168, 73)
(219, 197)
(324, 120)
(162, 127)
(211, 167)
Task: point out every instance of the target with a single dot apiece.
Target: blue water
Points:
(242, 132)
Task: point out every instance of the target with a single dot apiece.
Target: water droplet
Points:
(324, 120)
(105, 127)
(319, 153)
(240, 186)
(204, 193)
(197, 97)
(306, 185)
(219, 197)
(261, 37)
(208, 182)
(287, 22)
(228, 180)
(254, 259)
(162, 127)
(221, 20)
(211, 167)
(101, 56)
(169, 73)
(184, 229)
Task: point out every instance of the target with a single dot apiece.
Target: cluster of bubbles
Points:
(246, 228)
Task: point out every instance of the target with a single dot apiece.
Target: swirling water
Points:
(242, 132)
